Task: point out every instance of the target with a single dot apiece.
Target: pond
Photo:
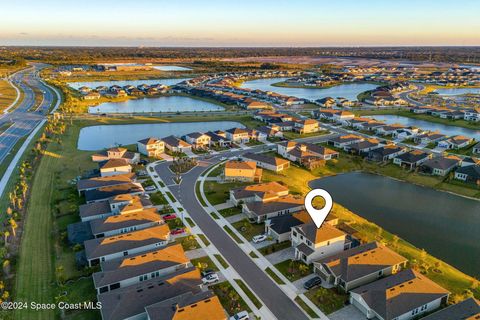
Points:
(121, 83)
(171, 68)
(457, 91)
(427, 125)
(349, 91)
(158, 104)
(445, 225)
(106, 136)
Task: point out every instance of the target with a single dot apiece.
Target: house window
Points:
(294, 233)
(125, 253)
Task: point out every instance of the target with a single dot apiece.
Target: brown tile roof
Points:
(125, 221)
(282, 203)
(361, 261)
(468, 309)
(318, 235)
(114, 163)
(244, 165)
(402, 292)
(98, 182)
(274, 161)
(132, 266)
(250, 191)
(96, 248)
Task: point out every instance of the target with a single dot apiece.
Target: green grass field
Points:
(7, 94)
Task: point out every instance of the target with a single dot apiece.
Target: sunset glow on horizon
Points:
(245, 23)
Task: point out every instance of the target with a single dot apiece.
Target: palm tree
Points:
(6, 234)
(13, 225)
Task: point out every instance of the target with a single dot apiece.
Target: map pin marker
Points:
(318, 215)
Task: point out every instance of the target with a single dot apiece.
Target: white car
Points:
(242, 315)
(223, 158)
(259, 238)
(150, 188)
(211, 278)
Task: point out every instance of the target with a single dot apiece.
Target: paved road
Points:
(23, 119)
(264, 287)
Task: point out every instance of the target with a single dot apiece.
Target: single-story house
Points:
(104, 193)
(249, 193)
(359, 266)
(470, 174)
(468, 309)
(115, 205)
(456, 142)
(440, 166)
(267, 162)
(174, 144)
(412, 159)
(405, 295)
(344, 140)
(130, 270)
(385, 153)
(108, 181)
(105, 249)
(114, 167)
(272, 206)
(476, 148)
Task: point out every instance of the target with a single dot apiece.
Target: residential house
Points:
(115, 205)
(469, 174)
(237, 135)
(403, 296)
(106, 249)
(359, 266)
(271, 132)
(131, 302)
(385, 153)
(412, 159)
(344, 140)
(248, 193)
(455, 142)
(151, 147)
(92, 96)
(117, 153)
(124, 223)
(476, 148)
(108, 181)
(267, 162)
(268, 205)
(114, 167)
(389, 129)
(131, 270)
(440, 166)
(468, 309)
(218, 139)
(429, 137)
(312, 243)
(306, 126)
(118, 191)
(472, 115)
(256, 135)
(279, 228)
(198, 140)
(296, 151)
(174, 144)
(188, 306)
(363, 147)
(242, 171)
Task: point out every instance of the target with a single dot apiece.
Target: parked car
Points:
(150, 188)
(143, 161)
(242, 315)
(177, 231)
(223, 158)
(211, 278)
(207, 272)
(259, 238)
(315, 281)
(169, 217)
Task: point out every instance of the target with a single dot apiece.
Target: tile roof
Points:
(252, 190)
(114, 163)
(282, 203)
(127, 220)
(468, 309)
(244, 165)
(98, 182)
(317, 235)
(274, 161)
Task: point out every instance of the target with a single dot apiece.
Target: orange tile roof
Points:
(210, 308)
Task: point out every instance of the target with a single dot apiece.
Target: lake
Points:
(445, 225)
(158, 104)
(106, 136)
(457, 91)
(349, 91)
(427, 125)
(171, 68)
(121, 83)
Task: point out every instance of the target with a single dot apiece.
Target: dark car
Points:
(206, 272)
(315, 281)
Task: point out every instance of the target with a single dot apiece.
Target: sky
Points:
(293, 23)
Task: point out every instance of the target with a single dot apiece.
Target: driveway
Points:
(282, 255)
(348, 312)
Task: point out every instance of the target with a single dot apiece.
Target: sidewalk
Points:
(229, 273)
(288, 288)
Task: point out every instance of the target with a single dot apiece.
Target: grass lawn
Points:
(229, 298)
(7, 94)
(295, 135)
(232, 234)
(204, 239)
(247, 229)
(222, 261)
(188, 242)
(275, 247)
(274, 276)
(327, 300)
(190, 221)
(305, 307)
(158, 198)
(175, 223)
(171, 197)
(204, 263)
(228, 212)
(37, 262)
(294, 270)
(253, 255)
(249, 293)
(217, 193)
(217, 171)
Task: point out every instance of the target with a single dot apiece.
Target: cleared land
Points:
(7, 94)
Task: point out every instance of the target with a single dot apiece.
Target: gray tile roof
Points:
(463, 310)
